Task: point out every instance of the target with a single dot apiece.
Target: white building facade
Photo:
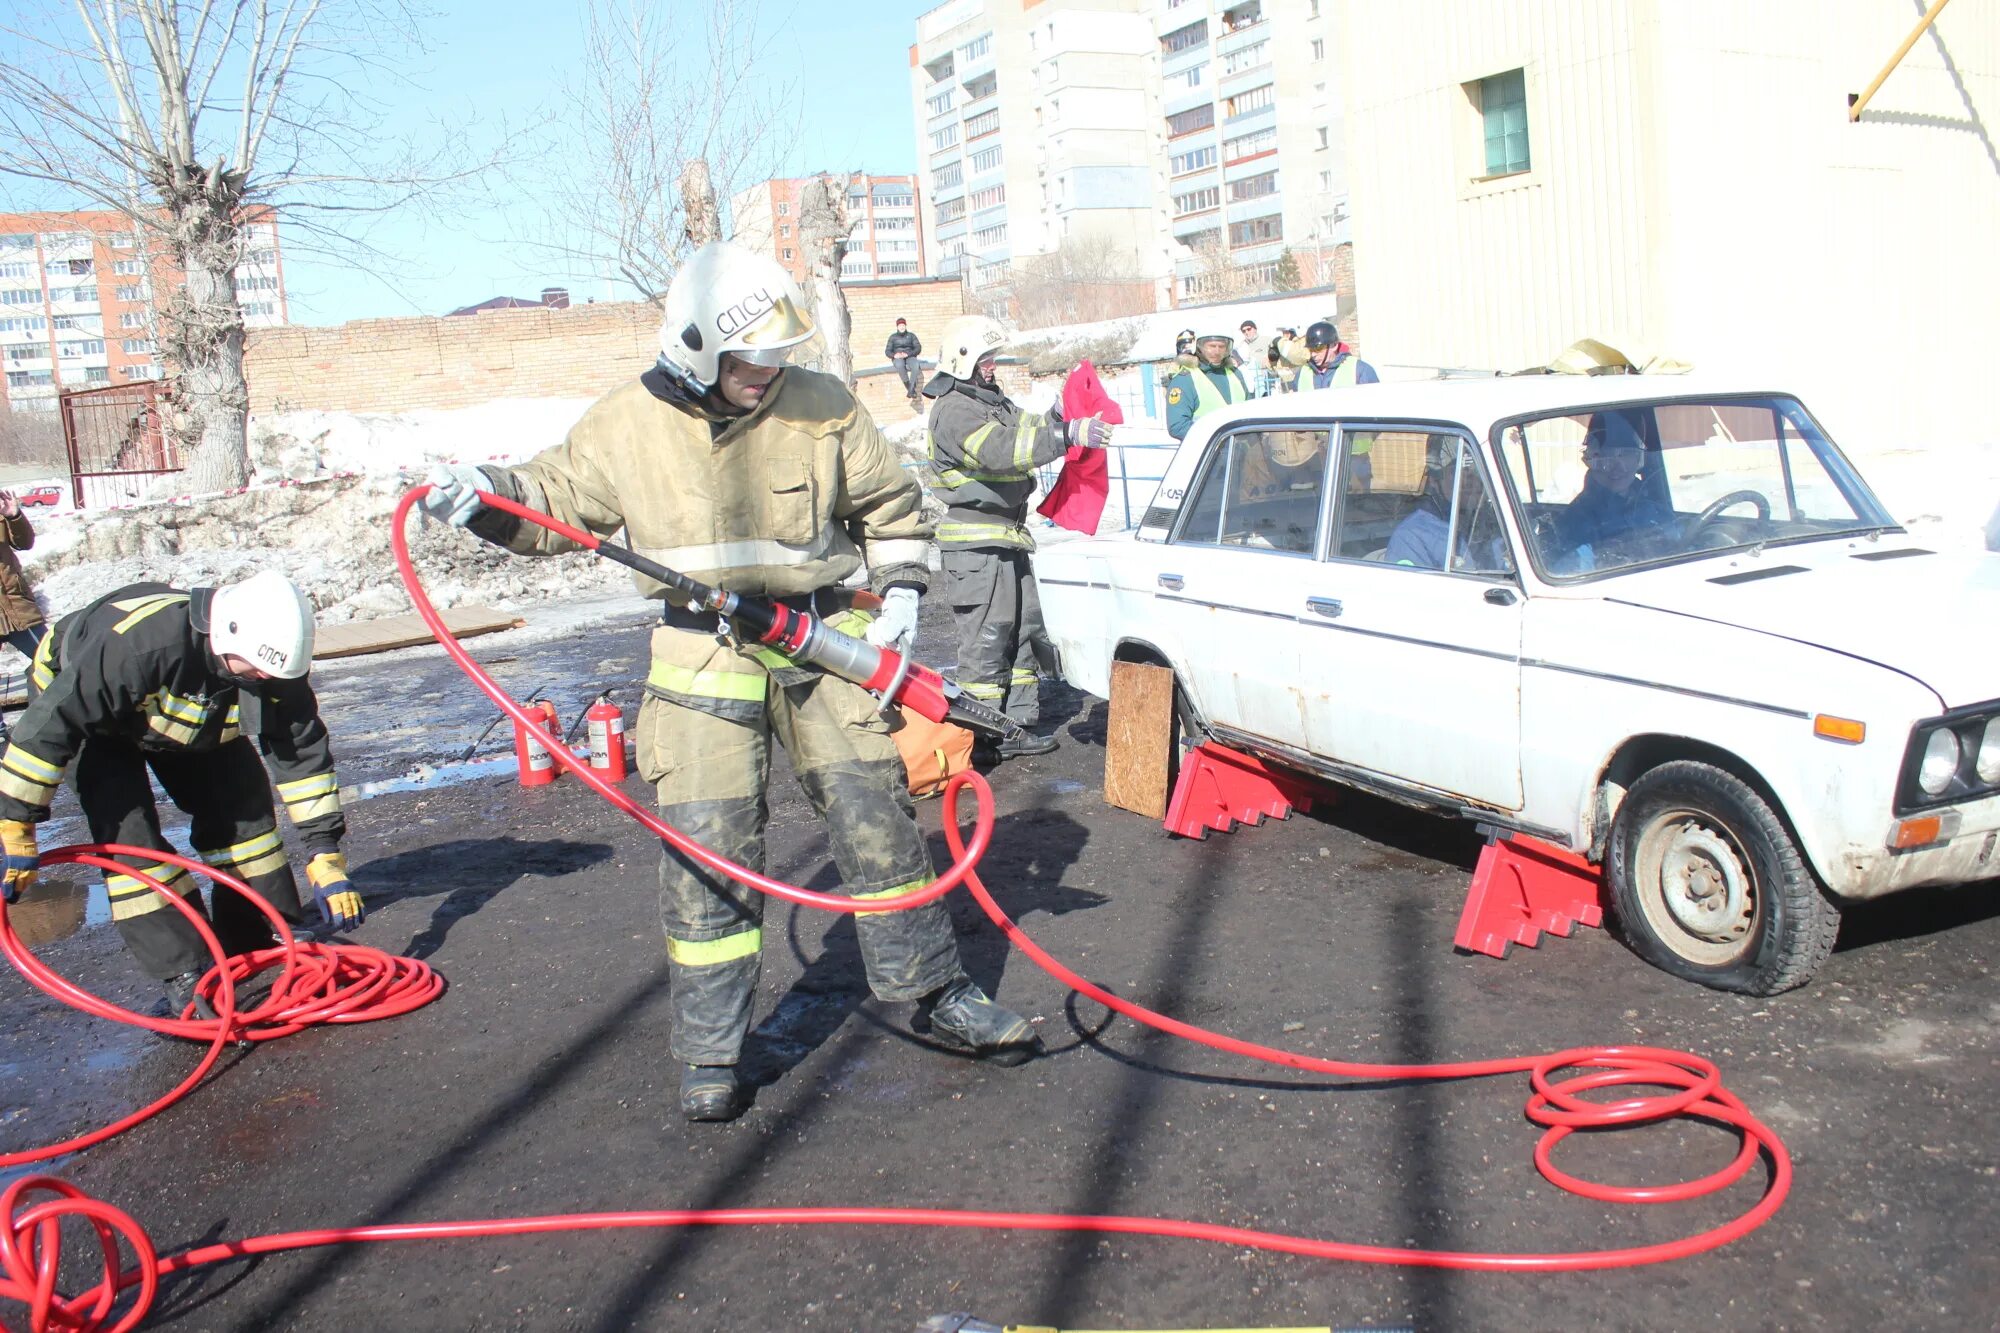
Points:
(1682, 177)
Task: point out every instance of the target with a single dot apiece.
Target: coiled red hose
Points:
(29, 1231)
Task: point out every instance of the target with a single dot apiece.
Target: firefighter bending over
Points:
(984, 451)
(725, 465)
(149, 677)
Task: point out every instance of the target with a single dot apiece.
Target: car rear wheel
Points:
(1706, 883)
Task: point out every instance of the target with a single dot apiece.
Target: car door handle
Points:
(1500, 596)
(1173, 581)
(1325, 606)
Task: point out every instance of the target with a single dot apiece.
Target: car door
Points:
(1232, 575)
(1415, 615)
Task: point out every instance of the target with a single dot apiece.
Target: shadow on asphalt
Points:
(1914, 913)
(491, 865)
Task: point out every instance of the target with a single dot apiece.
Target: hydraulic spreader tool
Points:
(895, 677)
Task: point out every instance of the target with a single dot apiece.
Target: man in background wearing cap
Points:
(150, 678)
(1210, 384)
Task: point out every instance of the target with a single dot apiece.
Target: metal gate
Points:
(116, 441)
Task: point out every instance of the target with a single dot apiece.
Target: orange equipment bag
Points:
(932, 751)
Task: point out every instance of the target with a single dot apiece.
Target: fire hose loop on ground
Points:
(320, 983)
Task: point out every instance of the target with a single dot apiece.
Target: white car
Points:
(1660, 621)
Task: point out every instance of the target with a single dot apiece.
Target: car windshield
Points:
(1609, 488)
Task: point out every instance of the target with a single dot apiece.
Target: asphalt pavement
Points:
(540, 1082)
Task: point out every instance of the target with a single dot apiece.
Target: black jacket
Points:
(136, 664)
(902, 340)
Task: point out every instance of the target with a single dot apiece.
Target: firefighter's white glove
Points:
(453, 496)
(895, 625)
(1090, 432)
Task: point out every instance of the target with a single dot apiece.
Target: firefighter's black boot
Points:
(1024, 744)
(181, 993)
(710, 1092)
(962, 1014)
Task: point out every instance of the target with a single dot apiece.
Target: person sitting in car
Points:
(1614, 505)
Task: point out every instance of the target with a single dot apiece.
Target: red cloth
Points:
(1077, 499)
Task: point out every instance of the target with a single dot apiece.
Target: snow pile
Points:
(303, 445)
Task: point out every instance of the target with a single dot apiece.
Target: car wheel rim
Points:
(1696, 888)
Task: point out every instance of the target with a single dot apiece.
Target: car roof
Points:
(1477, 403)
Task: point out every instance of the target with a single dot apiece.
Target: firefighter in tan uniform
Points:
(723, 464)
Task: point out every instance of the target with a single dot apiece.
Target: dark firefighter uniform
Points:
(984, 451)
(128, 683)
(783, 501)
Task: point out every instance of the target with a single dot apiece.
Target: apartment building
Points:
(1253, 164)
(76, 300)
(885, 237)
(1037, 129)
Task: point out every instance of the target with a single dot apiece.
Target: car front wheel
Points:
(1706, 883)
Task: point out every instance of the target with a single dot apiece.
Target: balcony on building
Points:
(1241, 24)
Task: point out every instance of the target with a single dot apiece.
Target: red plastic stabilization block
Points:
(1220, 788)
(1523, 887)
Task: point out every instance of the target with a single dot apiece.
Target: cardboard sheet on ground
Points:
(379, 636)
(1077, 499)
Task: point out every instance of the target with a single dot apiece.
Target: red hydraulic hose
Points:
(30, 1224)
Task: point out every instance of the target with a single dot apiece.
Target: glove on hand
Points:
(452, 497)
(338, 901)
(23, 858)
(896, 623)
(1090, 432)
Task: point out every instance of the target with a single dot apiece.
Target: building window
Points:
(895, 224)
(947, 176)
(991, 197)
(97, 374)
(1196, 201)
(895, 199)
(978, 46)
(76, 268)
(784, 209)
(1185, 39)
(19, 268)
(143, 370)
(29, 379)
(992, 273)
(132, 319)
(1187, 78)
(66, 322)
(988, 237)
(1254, 187)
(1503, 104)
(255, 308)
(120, 240)
(1250, 99)
(88, 347)
(1256, 231)
(27, 352)
(944, 138)
(787, 253)
(1194, 118)
(21, 296)
(1249, 145)
(128, 268)
(986, 158)
(950, 210)
(1319, 48)
(1249, 57)
(898, 269)
(132, 292)
(1180, 164)
(138, 347)
(986, 122)
(939, 103)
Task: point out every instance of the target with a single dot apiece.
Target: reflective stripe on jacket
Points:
(984, 451)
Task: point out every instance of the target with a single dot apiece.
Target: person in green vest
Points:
(1210, 384)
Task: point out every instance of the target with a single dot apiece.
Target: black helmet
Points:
(1322, 334)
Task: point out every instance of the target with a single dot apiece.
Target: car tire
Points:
(1707, 883)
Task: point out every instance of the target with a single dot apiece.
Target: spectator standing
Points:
(21, 621)
(903, 349)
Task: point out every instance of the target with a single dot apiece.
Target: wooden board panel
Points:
(377, 636)
(1139, 738)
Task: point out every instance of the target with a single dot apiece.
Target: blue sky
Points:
(505, 58)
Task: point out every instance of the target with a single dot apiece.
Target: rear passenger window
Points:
(1261, 489)
(1419, 500)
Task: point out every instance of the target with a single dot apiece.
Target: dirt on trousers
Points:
(540, 1083)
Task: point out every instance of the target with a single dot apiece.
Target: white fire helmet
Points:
(728, 299)
(266, 621)
(966, 340)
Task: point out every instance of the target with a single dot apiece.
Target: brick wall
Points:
(395, 365)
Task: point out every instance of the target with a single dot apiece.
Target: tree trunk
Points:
(201, 332)
(823, 230)
(698, 206)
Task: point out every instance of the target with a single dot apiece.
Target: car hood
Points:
(1932, 616)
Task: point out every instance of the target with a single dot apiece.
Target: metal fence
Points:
(116, 440)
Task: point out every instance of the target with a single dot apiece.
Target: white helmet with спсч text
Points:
(728, 299)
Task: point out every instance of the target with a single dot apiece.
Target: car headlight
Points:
(1940, 762)
(1987, 763)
